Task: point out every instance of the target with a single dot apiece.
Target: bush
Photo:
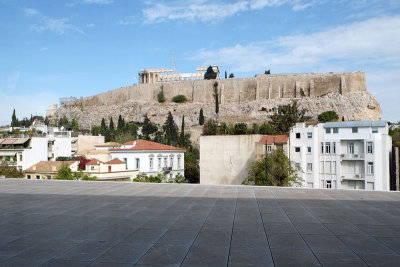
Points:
(328, 116)
(143, 178)
(179, 179)
(210, 128)
(179, 99)
(302, 92)
(266, 128)
(65, 173)
(240, 128)
(10, 172)
(160, 97)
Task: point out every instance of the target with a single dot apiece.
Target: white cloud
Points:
(372, 41)
(44, 48)
(90, 25)
(211, 11)
(59, 26)
(30, 12)
(128, 20)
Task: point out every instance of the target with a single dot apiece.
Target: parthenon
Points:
(169, 75)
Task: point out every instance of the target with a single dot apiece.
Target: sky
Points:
(51, 49)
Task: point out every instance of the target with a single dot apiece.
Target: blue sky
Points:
(50, 49)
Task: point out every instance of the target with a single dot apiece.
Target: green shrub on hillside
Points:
(179, 99)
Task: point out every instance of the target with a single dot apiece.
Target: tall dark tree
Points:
(170, 130)
(148, 127)
(103, 126)
(216, 97)
(14, 120)
(182, 140)
(46, 121)
(231, 76)
(111, 126)
(210, 74)
(226, 75)
(201, 117)
(120, 124)
(287, 116)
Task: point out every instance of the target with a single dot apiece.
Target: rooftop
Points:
(52, 223)
(274, 139)
(349, 124)
(142, 145)
(48, 166)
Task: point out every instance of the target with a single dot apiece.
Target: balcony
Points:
(353, 176)
(359, 156)
(167, 169)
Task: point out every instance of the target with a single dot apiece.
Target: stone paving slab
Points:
(73, 223)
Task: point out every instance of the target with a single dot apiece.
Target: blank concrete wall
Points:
(224, 159)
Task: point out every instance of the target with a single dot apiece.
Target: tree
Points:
(179, 99)
(160, 95)
(328, 116)
(210, 128)
(46, 121)
(148, 127)
(103, 126)
(210, 74)
(170, 130)
(182, 134)
(14, 120)
(275, 169)
(267, 72)
(120, 123)
(302, 92)
(216, 97)
(240, 128)
(231, 76)
(286, 117)
(226, 75)
(10, 171)
(74, 125)
(201, 117)
(64, 173)
(192, 169)
(111, 127)
(266, 128)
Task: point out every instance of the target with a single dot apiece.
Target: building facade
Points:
(151, 158)
(342, 155)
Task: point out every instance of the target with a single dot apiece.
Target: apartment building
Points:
(347, 155)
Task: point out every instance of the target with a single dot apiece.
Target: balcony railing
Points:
(353, 176)
(359, 156)
(167, 169)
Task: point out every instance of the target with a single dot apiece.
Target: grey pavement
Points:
(73, 223)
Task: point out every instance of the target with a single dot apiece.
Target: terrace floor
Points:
(72, 223)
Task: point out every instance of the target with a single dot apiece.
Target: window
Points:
(351, 148)
(92, 168)
(322, 147)
(328, 130)
(354, 129)
(309, 167)
(269, 148)
(137, 163)
(20, 157)
(48, 177)
(165, 162)
(151, 163)
(28, 176)
(374, 129)
(369, 148)
(334, 147)
(126, 163)
(159, 163)
(298, 166)
(321, 167)
(328, 169)
(335, 130)
(328, 184)
(297, 149)
(328, 148)
(38, 177)
(309, 135)
(309, 149)
(179, 162)
(333, 167)
(171, 161)
(298, 135)
(370, 168)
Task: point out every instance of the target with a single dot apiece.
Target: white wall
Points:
(62, 147)
(36, 152)
(224, 159)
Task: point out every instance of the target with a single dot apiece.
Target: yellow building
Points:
(48, 169)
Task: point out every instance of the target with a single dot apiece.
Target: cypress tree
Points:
(216, 97)
(111, 127)
(14, 120)
(182, 135)
(170, 130)
(201, 117)
(120, 123)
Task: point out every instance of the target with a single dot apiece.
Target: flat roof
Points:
(349, 124)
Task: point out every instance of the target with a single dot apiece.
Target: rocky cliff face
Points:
(352, 106)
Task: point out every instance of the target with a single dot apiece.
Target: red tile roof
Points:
(48, 166)
(115, 161)
(148, 145)
(274, 139)
(94, 162)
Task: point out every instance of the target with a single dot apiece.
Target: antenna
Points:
(174, 65)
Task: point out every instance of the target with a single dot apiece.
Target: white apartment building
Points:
(346, 155)
(151, 158)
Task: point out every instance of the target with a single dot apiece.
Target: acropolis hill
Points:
(241, 100)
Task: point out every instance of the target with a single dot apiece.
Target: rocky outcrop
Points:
(352, 106)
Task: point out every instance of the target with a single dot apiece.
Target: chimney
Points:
(34, 168)
(53, 168)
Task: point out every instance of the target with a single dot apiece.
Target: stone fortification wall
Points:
(272, 86)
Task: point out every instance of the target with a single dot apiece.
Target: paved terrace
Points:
(67, 223)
